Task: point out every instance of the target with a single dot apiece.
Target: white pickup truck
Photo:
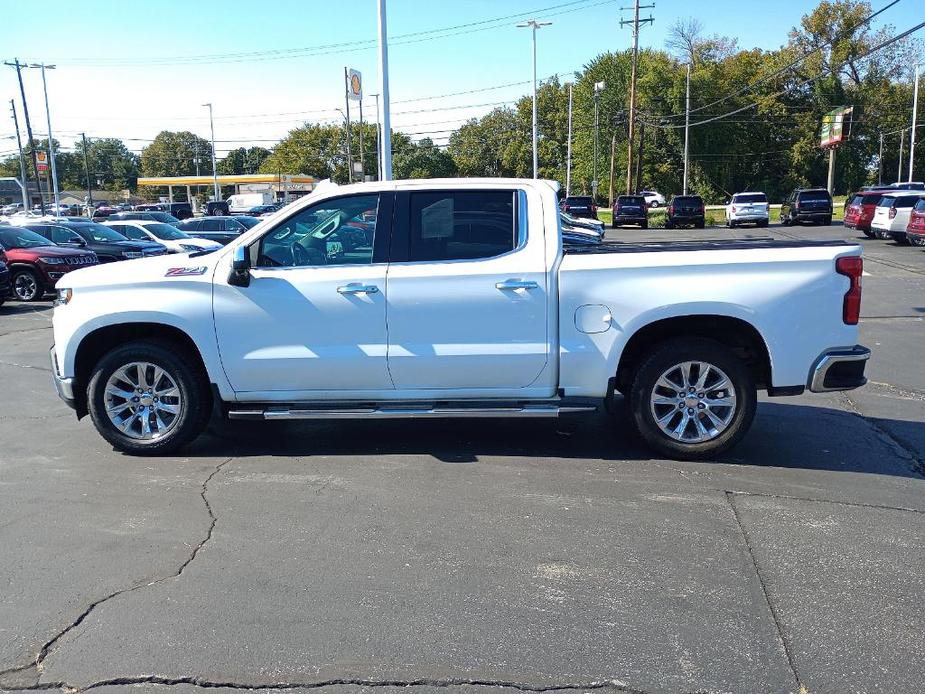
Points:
(454, 298)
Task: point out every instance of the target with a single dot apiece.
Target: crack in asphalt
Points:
(902, 449)
(25, 366)
(784, 640)
(595, 685)
(837, 502)
(50, 644)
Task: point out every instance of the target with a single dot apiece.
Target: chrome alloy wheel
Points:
(25, 287)
(143, 401)
(693, 402)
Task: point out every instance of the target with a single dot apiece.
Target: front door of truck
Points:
(467, 293)
(313, 319)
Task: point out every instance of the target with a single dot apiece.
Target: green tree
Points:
(243, 160)
(175, 154)
(422, 159)
(312, 149)
(110, 163)
(490, 145)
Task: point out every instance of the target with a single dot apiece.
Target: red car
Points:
(860, 211)
(915, 230)
(36, 263)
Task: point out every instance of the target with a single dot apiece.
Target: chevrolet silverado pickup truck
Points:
(464, 303)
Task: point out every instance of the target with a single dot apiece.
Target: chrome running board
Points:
(397, 411)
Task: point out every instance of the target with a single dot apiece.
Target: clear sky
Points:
(131, 69)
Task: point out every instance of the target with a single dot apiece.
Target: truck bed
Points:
(706, 245)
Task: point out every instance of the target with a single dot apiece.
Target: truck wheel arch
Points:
(740, 336)
(100, 341)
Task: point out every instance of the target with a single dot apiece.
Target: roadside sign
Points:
(836, 126)
(42, 158)
(354, 85)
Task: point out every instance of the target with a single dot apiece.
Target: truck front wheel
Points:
(692, 399)
(148, 398)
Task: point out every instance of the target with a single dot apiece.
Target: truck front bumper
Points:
(64, 386)
(839, 369)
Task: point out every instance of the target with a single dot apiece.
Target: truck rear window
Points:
(750, 197)
(630, 200)
(815, 196)
(920, 205)
(871, 199)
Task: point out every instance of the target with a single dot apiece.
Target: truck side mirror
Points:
(240, 275)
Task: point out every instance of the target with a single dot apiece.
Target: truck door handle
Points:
(516, 284)
(355, 288)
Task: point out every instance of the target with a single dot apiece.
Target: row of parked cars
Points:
(887, 213)
(36, 252)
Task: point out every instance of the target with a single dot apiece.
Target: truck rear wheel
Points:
(146, 398)
(692, 399)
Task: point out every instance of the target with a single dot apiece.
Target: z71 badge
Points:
(185, 271)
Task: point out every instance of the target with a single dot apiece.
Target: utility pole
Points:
(642, 140)
(687, 124)
(378, 135)
(613, 152)
(22, 160)
(568, 147)
(598, 88)
(347, 116)
(87, 172)
(902, 139)
(386, 146)
(215, 189)
(830, 184)
(362, 159)
(915, 108)
(534, 25)
(880, 163)
(635, 25)
(51, 141)
(31, 142)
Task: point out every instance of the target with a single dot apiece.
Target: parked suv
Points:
(915, 230)
(893, 214)
(860, 211)
(221, 229)
(630, 209)
(807, 205)
(179, 210)
(4, 278)
(653, 198)
(747, 208)
(579, 206)
(36, 264)
(167, 234)
(108, 244)
(686, 210)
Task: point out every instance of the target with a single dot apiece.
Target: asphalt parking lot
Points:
(476, 556)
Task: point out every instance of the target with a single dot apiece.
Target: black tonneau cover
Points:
(714, 245)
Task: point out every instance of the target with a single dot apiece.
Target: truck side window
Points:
(461, 225)
(333, 232)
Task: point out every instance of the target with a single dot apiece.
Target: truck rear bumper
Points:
(839, 369)
(64, 386)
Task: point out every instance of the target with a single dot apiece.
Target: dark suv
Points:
(630, 209)
(36, 263)
(807, 205)
(686, 210)
(108, 244)
(221, 229)
(579, 206)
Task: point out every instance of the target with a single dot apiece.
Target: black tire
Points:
(675, 352)
(653, 204)
(701, 225)
(191, 382)
(613, 225)
(763, 223)
(827, 221)
(882, 235)
(27, 286)
(644, 225)
(868, 233)
(916, 240)
(669, 224)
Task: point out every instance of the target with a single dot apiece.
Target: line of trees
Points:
(771, 145)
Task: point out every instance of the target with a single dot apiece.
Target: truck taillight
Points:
(851, 267)
(892, 212)
(733, 209)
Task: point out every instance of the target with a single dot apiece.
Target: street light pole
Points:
(386, 139)
(902, 140)
(880, 163)
(217, 193)
(568, 154)
(31, 142)
(378, 135)
(534, 25)
(687, 123)
(51, 141)
(598, 88)
(915, 108)
(87, 173)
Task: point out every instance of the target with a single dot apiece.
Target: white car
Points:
(176, 241)
(470, 306)
(892, 213)
(747, 208)
(653, 199)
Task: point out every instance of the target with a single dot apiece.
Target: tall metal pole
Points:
(534, 25)
(902, 139)
(915, 108)
(31, 142)
(880, 163)
(362, 159)
(22, 160)
(568, 150)
(613, 152)
(378, 135)
(386, 139)
(217, 193)
(596, 123)
(87, 172)
(347, 102)
(830, 186)
(687, 123)
(632, 115)
(51, 141)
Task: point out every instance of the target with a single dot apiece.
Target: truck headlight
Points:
(51, 261)
(63, 296)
